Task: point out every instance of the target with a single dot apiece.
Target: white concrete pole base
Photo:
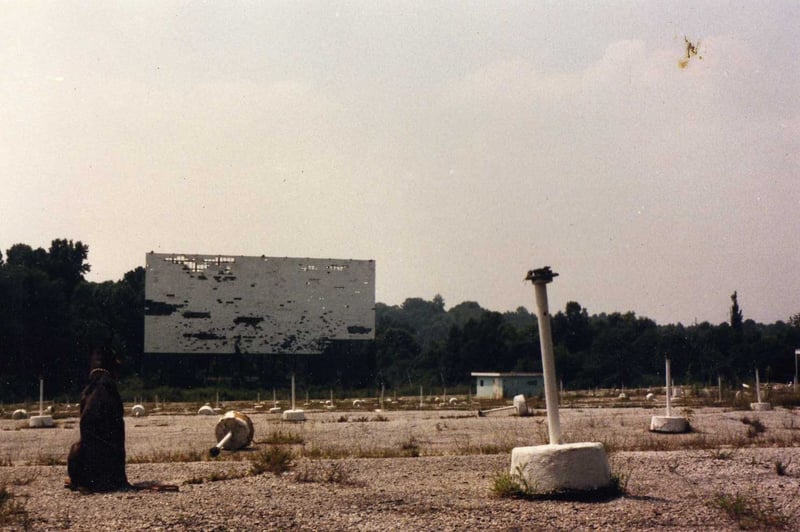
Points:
(138, 410)
(293, 415)
(760, 406)
(38, 422)
(205, 410)
(670, 424)
(563, 467)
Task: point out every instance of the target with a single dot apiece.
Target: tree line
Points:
(50, 316)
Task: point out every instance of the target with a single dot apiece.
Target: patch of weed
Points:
(12, 510)
(410, 447)
(781, 467)
(750, 512)
(334, 472)
(169, 456)
(276, 460)
(278, 437)
(47, 460)
(217, 476)
(515, 486)
(754, 426)
(722, 454)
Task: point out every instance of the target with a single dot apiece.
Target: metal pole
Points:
(540, 279)
(758, 388)
(41, 397)
(669, 390)
(293, 391)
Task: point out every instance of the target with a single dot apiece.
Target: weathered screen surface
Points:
(234, 304)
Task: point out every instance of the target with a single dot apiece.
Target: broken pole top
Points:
(541, 275)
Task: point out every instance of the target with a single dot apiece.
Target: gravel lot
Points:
(363, 478)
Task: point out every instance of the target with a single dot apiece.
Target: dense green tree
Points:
(463, 312)
(736, 314)
(397, 357)
(50, 315)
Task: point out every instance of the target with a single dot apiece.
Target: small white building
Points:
(506, 385)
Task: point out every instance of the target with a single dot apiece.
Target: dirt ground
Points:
(431, 469)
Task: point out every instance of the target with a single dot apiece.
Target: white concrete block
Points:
(205, 410)
(760, 406)
(293, 415)
(38, 422)
(671, 424)
(571, 466)
(138, 410)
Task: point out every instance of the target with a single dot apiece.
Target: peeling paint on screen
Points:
(261, 305)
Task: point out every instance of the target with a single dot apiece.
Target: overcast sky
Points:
(458, 144)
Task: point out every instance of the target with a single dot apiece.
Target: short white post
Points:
(669, 423)
(719, 388)
(42, 420)
(274, 409)
(420, 396)
(759, 405)
(293, 414)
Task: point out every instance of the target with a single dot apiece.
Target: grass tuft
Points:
(722, 454)
(754, 426)
(781, 467)
(749, 512)
(276, 460)
(334, 472)
(169, 456)
(278, 437)
(217, 476)
(515, 486)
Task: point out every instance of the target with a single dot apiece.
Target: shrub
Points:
(276, 460)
